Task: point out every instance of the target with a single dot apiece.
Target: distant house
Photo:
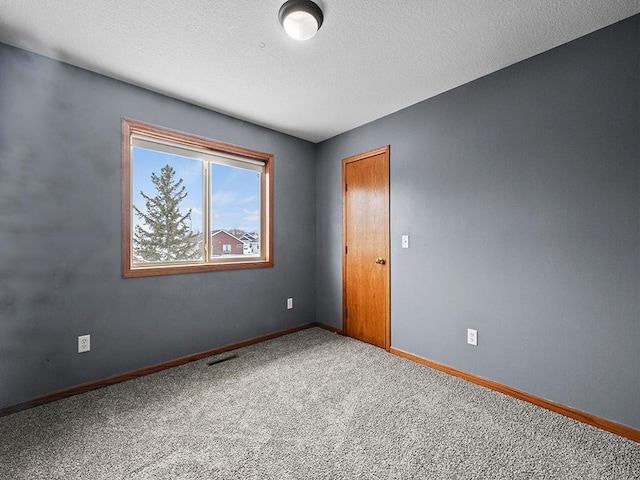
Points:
(251, 243)
(223, 243)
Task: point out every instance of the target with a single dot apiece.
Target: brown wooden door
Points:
(365, 265)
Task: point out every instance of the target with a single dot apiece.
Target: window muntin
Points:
(216, 191)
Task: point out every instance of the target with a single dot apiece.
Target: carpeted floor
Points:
(309, 405)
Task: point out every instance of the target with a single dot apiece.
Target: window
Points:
(190, 204)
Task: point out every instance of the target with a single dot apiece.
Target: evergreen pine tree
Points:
(166, 235)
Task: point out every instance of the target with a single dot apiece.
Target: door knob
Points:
(380, 261)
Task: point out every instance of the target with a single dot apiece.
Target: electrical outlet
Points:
(289, 303)
(472, 336)
(84, 343)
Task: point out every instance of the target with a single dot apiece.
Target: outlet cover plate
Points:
(472, 337)
(84, 343)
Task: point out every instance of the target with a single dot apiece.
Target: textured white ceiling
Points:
(369, 59)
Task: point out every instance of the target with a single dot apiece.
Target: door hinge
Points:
(345, 249)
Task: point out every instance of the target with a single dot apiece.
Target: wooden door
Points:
(365, 266)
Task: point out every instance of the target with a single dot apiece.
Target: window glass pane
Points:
(167, 207)
(235, 211)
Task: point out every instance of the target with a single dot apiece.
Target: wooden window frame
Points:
(132, 127)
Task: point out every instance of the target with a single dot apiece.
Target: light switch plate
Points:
(405, 241)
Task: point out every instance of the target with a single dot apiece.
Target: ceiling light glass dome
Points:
(301, 19)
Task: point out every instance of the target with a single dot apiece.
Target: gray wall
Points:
(60, 224)
(520, 192)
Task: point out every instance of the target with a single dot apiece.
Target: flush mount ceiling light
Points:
(301, 19)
